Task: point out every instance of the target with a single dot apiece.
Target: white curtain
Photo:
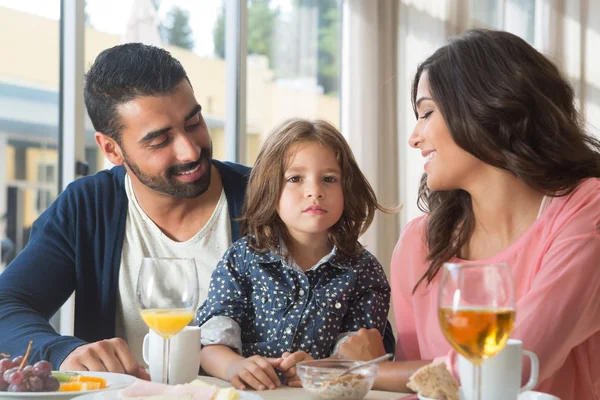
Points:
(369, 107)
(571, 36)
(382, 43)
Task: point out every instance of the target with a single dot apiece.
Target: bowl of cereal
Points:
(321, 378)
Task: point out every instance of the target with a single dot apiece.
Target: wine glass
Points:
(167, 295)
(476, 309)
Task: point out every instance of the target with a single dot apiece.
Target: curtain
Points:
(369, 108)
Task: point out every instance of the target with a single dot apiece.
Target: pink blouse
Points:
(556, 270)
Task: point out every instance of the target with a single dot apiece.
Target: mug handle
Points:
(535, 370)
(145, 349)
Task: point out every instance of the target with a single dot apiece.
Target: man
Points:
(166, 197)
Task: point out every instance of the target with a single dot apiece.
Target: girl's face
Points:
(448, 166)
(311, 199)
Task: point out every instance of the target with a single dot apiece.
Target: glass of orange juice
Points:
(167, 294)
(476, 310)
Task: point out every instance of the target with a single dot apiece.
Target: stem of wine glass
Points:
(477, 382)
(166, 373)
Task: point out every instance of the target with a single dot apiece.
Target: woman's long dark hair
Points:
(509, 106)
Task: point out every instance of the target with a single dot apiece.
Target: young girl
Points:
(298, 282)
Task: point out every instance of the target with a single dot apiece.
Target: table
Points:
(288, 393)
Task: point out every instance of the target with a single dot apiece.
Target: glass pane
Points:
(520, 18)
(487, 13)
(183, 27)
(29, 73)
(292, 66)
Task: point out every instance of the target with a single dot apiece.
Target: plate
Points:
(528, 395)
(531, 395)
(113, 381)
(114, 395)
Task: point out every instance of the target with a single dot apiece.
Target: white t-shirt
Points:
(144, 239)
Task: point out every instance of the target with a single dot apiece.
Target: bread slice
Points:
(434, 381)
(222, 393)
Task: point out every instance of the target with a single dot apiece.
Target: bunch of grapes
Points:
(17, 376)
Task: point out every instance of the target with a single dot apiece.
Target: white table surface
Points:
(288, 393)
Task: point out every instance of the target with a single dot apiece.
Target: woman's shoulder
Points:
(414, 231)
(587, 190)
(584, 198)
(577, 213)
(410, 253)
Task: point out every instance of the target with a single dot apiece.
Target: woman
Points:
(511, 177)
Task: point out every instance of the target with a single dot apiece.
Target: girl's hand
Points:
(256, 372)
(288, 366)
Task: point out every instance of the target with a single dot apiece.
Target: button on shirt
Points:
(259, 304)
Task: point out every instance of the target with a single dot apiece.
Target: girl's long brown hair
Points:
(509, 106)
(259, 214)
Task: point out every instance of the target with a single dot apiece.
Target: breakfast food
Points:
(222, 393)
(345, 387)
(17, 376)
(434, 381)
(196, 390)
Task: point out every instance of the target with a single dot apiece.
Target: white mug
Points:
(501, 374)
(184, 356)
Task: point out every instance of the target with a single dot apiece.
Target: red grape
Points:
(9, 372)
(17, 378)
(51, 384)
(36, 384)
(5, 364)
(18, 388)
(28, 371)
(42, 369)
(17, 360)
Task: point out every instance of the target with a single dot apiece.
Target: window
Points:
(292, 70)
(29, 38)
(185, 28)
(48, 185)
(293, 64)
(515, 16)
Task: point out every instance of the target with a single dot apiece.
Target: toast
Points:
(434, 381)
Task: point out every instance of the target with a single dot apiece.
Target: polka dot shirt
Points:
(258, 305)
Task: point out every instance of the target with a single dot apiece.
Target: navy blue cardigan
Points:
(76, 245)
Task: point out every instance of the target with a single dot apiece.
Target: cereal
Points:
(322, 379)
(352, 387)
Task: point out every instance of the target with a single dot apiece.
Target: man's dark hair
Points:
(122, 73)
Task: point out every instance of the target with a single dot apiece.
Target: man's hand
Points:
(256, 371)
(111, 355)
(364, 346)
(288, 366)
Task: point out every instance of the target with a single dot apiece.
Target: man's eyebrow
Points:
(150, 136)
(194, 111)
(422, 99)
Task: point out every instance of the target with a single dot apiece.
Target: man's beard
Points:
(169, 185)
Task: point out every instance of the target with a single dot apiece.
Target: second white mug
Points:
(501, 374)
(184, 358)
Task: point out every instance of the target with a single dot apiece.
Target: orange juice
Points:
(167, 322)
